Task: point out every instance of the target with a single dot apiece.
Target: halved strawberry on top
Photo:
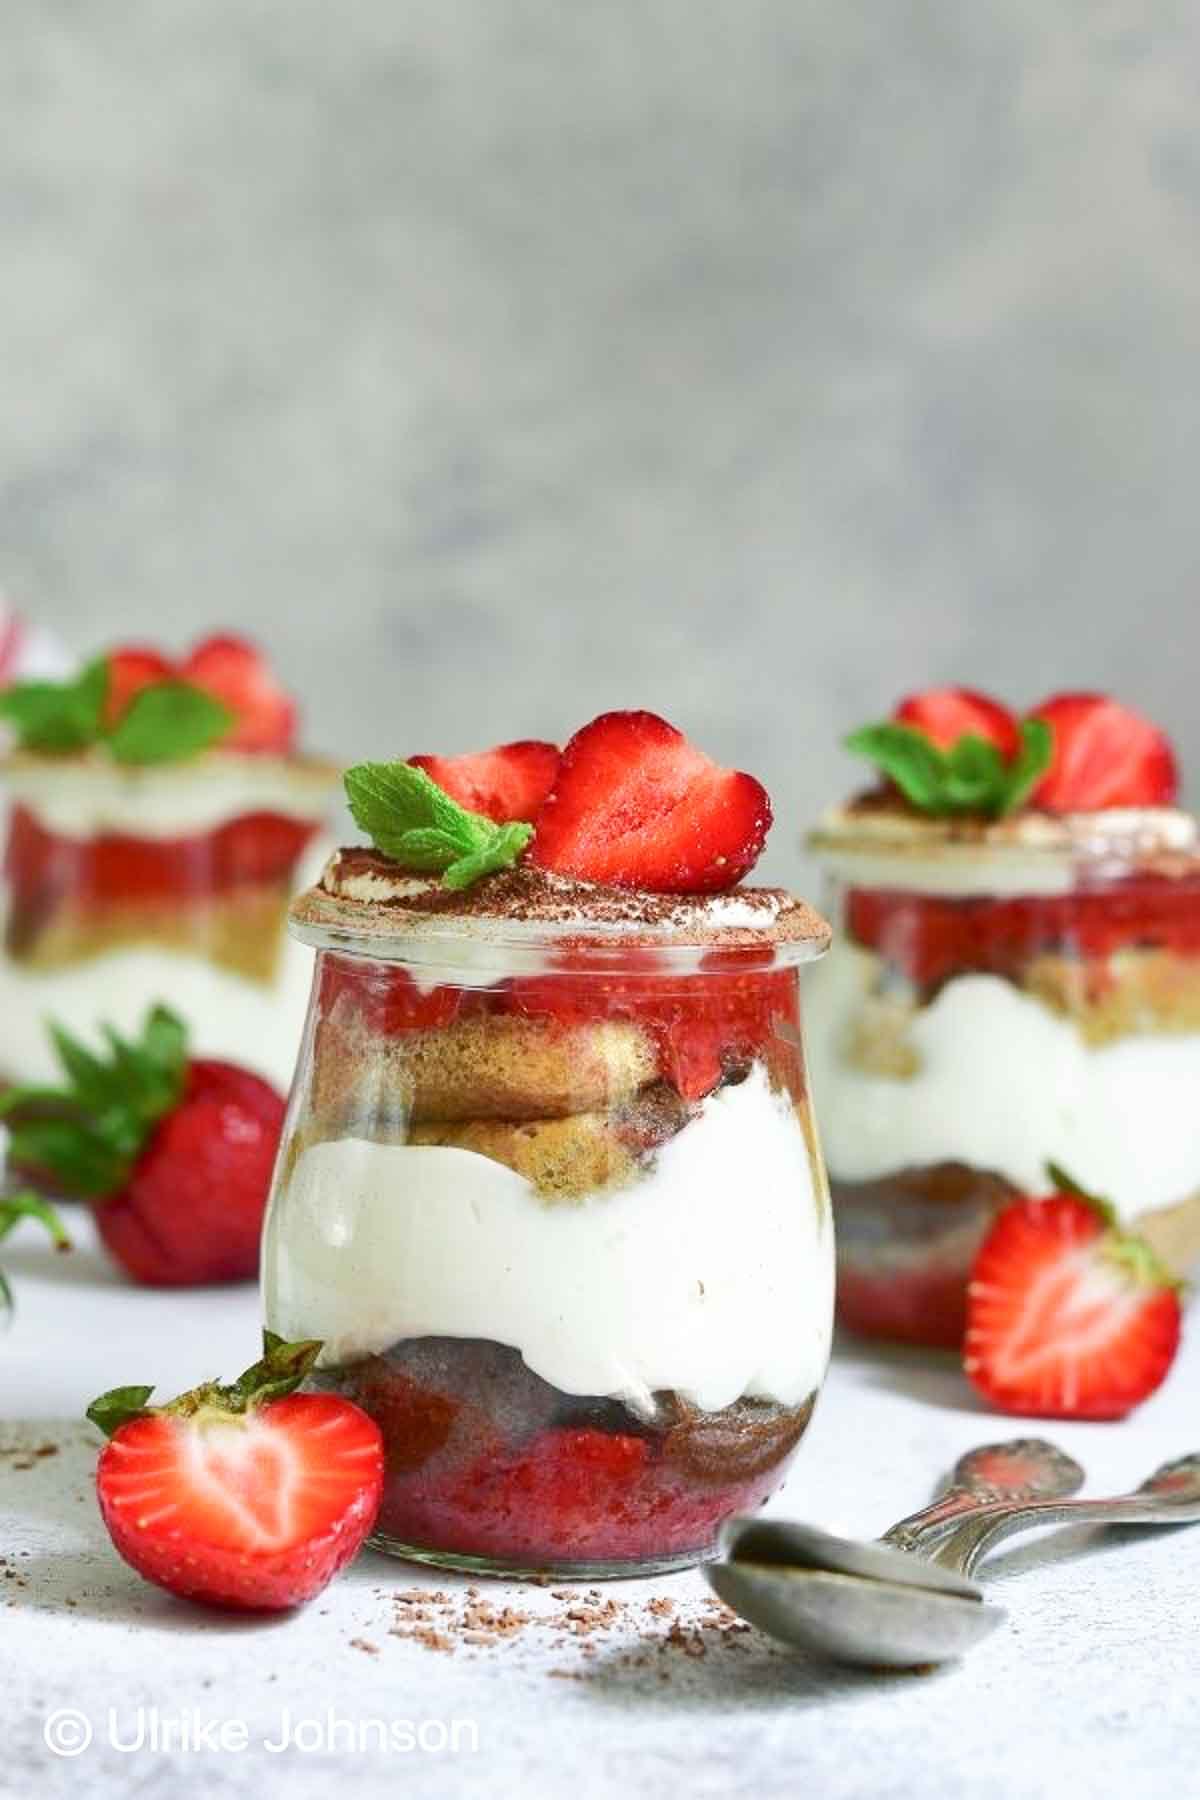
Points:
(1068, 1317)
(1103, 754)
(505, 784)
(131, 668)
(946, 715)
(235, 672)
(636, 805)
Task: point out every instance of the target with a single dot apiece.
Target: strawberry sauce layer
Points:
(708, 1025)
(44, 869)
(930, 938)
(495, 1463)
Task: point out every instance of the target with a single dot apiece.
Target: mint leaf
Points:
(57, 717)
(168, 721)
(409, 818)
(89, 1133)
(971, 777)
(907, 757)
(1029, 765)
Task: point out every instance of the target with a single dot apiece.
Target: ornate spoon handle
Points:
(1171, 1496)
(1023, 1470)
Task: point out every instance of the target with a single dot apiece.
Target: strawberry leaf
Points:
(409, 818)
(14, 1208)
(89, 1133)
(279, 1371)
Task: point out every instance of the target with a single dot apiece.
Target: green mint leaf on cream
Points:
(410, 819)
(56, 717)
(971, 777)
(167, 722)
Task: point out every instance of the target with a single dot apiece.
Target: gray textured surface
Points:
(501, 362)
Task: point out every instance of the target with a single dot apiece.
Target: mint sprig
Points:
(88, 1133)
(972, 776)
(279, 1371)
(165, 722)
(409, 818)
(14, 1208)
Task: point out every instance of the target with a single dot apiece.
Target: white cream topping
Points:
(1031, 853)
(1004, 1083)
(713, 1275)
(166, 800)
(249, 1022)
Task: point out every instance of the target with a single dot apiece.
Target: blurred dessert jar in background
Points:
(160, 820)
(1015, 980)
(549, 1190)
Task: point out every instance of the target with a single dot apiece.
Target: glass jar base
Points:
(462, 1563)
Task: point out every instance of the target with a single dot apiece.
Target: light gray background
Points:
(503, 360)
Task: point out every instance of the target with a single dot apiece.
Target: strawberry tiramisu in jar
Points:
(160, 821)
(1015, 984)
(549, 1191)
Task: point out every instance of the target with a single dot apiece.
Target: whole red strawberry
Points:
(1103, 754)
(234, 671)
(249, 1496)
(1068, 1317)
(174, 1153)
(504, 784)
(635, 804)
(945, 715)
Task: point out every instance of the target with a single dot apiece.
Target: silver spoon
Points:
(882, 1623)
(1171, 1496)
(839, 1596)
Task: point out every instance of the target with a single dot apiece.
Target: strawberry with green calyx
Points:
(1068, 1316)
(409, 818)
(246, 1495)
(952, 751)
(175, 1153)
(14, 1208)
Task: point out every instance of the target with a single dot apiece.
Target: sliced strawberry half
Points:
(235, 672)
(1104, 754)
(636, 805)
(947, 714)
(130, 669)
(505, 784)
(1067, 1316)
(249, 1496)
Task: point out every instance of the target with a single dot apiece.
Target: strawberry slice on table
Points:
(235, 672)
(130, 669)
(249, 1496)
(1103, 754)
(636, 805)
(1068, 1317)
(505, 784)
(175, 1153)
(945, 715)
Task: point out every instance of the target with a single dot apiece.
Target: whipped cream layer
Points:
(1004, 1084)
(712, 1275)
(89, 796)
(886, 846)
(248, 1022)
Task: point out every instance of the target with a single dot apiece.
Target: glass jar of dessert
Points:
(1009, 989)
(159, 823)
(550, 1195)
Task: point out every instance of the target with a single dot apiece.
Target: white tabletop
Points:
(1091, 1688)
